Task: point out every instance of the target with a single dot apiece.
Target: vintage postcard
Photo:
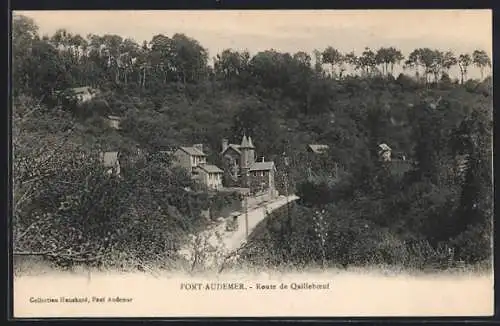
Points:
(252, 163)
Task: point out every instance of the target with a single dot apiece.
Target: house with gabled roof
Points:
(384, 152)
(234, 155)
(83, 94)
(262, 176)
(242, 170)
(317, 148)
(190, 157)
(210, 175)
(114, 121)
(111, 162)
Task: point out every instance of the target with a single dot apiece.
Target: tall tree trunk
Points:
(144, 79)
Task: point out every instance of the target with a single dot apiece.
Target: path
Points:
(233, 240)
(223, 242)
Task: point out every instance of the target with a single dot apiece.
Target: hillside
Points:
(426, 212)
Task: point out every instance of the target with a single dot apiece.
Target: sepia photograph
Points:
(252, 163)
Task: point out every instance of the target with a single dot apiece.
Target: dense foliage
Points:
(432, 208)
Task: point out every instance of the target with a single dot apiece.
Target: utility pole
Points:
(288, 218)
(246, 205)
(285, 160)
(246, 215)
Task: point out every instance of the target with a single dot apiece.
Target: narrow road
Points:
(233, 240)
(220, 242)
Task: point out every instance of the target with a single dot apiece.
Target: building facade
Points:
(84, 94)
(113, 122)
(262, 177)
(210, 176)
(385, 152)
(317, 148)
(111, 162)
(194, 160)
(241, 169)
(190, 157)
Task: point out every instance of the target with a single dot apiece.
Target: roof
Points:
(235, 147)
(384, 147)
(82, 89)
(109, 158)
(262, 166)
(210, 168)
(318, 148)
(246, 142)
(114, 117)
(250, 143)
(192, 151)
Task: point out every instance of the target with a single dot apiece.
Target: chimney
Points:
(225, 144)
(198, 147)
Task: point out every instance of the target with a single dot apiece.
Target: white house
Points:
(210, 175)
(384, 152)
(111, 162)
(84, 94)
(190, 157)
(114, 121)
(317, 148)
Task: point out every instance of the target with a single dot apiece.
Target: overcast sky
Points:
(287, 30)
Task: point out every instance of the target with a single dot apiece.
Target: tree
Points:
(303, 57)
(333, 57)
(388, 57)
(129, 53)
(449, 60)
(474, 139)
(427, 136)
(437, 65)
(162, 56)
(190, 58)
(367, 61)
(430, 61)
(414, 61)
(352, 60)
(24, 34)
(481, 60)
(464, 62)
(231, 65)
(396, 57)
(318, 61)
